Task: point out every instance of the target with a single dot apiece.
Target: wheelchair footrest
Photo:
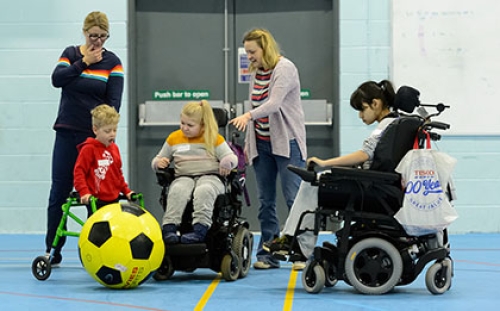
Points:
(186, 249)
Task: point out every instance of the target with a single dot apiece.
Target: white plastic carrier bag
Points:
(425, 176)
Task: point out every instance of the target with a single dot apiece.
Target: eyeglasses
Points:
(95, 36)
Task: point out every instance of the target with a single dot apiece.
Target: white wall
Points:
(34, 33)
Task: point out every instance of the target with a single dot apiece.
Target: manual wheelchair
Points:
(373, 253)
(228, 245)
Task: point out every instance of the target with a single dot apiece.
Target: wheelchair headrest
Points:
(406, 99)
(221, 116)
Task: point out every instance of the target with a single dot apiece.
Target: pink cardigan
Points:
(284, 108)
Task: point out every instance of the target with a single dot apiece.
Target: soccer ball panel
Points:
(141, 247)
(99, 233)
(133, 209)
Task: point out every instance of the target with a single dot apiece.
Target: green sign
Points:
(181, 95)
(305, 94)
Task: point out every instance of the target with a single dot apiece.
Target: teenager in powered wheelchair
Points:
(373, 252)
(226, 245)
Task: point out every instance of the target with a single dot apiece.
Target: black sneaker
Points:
(55, 261)
(280, 245)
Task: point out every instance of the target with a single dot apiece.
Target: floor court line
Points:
(208, 293)
(290, 290)
(99, 302)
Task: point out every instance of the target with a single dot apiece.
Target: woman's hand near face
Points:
(92, 55)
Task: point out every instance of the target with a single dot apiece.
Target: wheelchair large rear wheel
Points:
(373, 266)
(242, 246)
(438, 277)
(313, 277)
(41, 268)
(165, 271)
(230, 267)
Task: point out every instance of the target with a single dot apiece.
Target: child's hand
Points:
(85, 199)
(163, 163)
(129, 195)
(318, 161)
(224, 171)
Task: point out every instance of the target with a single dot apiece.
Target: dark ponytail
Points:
(370, 90)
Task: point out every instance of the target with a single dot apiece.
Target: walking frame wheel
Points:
(41, 268)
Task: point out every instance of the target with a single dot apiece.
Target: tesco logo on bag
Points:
(423, 190)
(424, 172)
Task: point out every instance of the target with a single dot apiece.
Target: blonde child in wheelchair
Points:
(201, 157)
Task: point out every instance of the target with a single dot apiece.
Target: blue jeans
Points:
(267, 166)
(63, 161)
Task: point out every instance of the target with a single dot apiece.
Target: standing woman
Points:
(88, 76)
(276, 135)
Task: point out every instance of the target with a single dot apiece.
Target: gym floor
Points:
(474, 286)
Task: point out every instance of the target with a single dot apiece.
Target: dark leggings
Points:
(63, 161)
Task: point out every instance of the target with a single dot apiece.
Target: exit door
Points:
(192, 45)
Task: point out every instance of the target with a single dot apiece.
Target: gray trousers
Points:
(203, 190)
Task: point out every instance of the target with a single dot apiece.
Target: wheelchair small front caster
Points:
(313, 277)
(438, 277)
(165, 271)
(230, 267)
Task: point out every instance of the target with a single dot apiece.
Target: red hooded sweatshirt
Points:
(98, 171)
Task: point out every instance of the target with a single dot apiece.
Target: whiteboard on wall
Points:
(450, 51)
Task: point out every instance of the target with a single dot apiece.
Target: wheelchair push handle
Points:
(437, 125)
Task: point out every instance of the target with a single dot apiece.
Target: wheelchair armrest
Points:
(365, 175)
(306, 175)
(165, 176)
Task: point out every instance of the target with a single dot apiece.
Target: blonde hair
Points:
(98, 19)
(103, 115)
(270, 48)
(201, 112)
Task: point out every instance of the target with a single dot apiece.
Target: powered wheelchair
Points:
(228, 244)
(373, 253)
